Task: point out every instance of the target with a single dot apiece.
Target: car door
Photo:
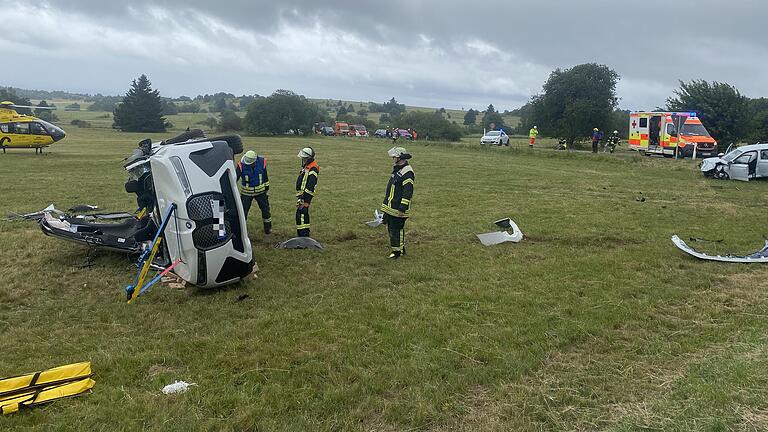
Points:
(762, 164)
(739, 168)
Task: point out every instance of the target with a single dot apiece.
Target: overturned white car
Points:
(742, 163)
(187, 197)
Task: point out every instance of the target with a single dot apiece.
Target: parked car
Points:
(341, 129)
(327, 131)
(380, 133)
(498, 137)
(742, 163)
(404, 134)
(358, 130)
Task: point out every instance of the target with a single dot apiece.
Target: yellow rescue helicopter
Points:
(26, 131)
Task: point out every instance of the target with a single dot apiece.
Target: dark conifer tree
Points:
(141, 109)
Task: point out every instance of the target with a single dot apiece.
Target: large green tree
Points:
(574, 101)
(724, 111)
(758, 122)
(282, 112)
(141, 109)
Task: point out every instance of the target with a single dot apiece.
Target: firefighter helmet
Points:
(399, 152)
(307, 152)
(595, 129)
(249, 157)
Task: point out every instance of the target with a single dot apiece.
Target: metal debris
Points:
(494, 238)
(760, 256)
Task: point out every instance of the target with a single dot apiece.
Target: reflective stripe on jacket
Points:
(253, 178)
(306, 182)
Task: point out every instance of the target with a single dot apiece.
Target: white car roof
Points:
(758, 146)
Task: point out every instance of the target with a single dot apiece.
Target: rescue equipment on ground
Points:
(760, 256)
(146, 259)
(33, 389)
(378, 219)
(498, 237)
(300, 243)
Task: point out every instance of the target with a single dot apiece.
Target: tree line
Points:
(571, 103)
(575, 100)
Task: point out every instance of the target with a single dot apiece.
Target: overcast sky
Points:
(436, 53)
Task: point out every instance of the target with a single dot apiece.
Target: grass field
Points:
(594, 322)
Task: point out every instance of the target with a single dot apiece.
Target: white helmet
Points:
(249, 157)
(616, 132)
(307, 152)
(399, 152)
(535, 127)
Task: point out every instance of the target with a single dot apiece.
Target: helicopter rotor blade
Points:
(28, 106)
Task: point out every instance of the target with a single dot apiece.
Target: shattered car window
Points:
(732, 155)
(746, 158)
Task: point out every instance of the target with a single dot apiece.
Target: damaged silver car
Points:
(742, 163)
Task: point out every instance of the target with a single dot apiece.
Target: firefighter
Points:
(397, 200)
(532, 134)
(306, 183)
(253, 183)
(596, 137)
(612, 142)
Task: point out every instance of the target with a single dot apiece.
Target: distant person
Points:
(253, 183)
(395, 135)
(612, 142)
(597, 135)
(306, 183)
(414, 134)
(532, 134)
(397, 200)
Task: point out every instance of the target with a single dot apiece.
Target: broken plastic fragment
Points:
(378, 219)
(494, 238)
(177, 387)
(82, 208)
(300, 243)
(760, 256)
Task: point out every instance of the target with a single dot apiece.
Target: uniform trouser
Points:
(595, 145)
(302, 221)
(396, 229)
(263, 201)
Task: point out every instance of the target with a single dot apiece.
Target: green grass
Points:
(594, 322)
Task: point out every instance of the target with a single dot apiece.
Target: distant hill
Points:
(48, 95)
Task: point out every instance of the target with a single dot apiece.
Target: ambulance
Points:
(657, 133)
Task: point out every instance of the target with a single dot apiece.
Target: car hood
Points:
(491, 137)
(709, 164)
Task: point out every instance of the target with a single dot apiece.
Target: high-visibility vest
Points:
(253, 178)
(532, 133)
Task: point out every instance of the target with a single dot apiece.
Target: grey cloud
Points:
(651, 44)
